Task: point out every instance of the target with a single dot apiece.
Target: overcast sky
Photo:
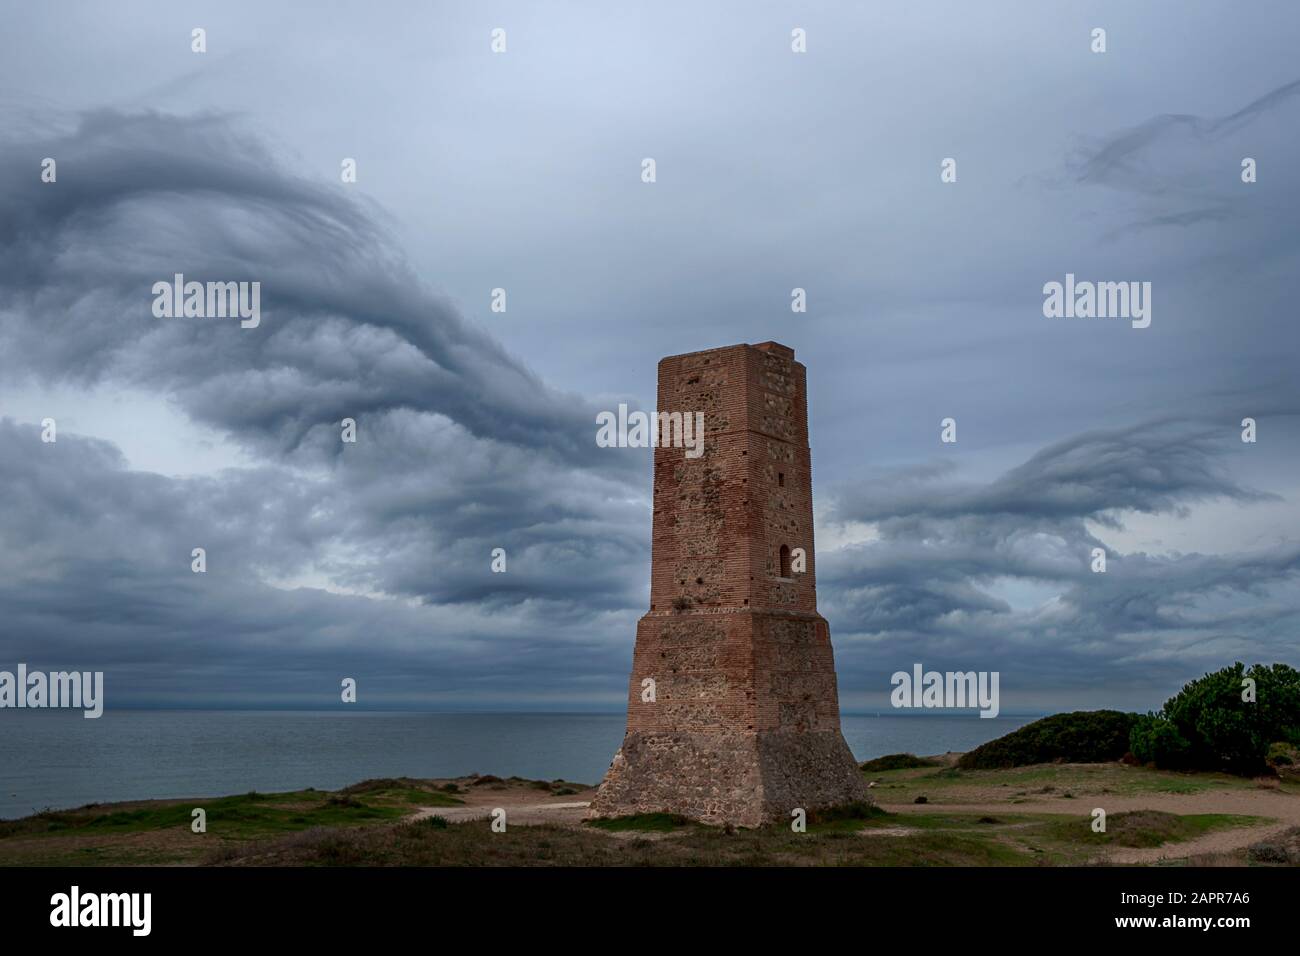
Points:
(522, 170)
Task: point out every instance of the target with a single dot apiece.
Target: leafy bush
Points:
(1281, 754)
(1266, 853)
(1083, 736)
(897, 762)
(1283, 848)
(1219, 729)
(1155, 740)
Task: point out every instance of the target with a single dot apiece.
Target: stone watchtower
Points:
(744, 724)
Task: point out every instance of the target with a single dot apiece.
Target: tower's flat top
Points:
(761, 346)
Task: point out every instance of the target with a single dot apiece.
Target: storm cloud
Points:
(936, 578)
(351, 329)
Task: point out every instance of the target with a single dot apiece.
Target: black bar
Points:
(210, 905)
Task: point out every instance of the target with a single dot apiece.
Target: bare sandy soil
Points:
(517, 811)
(523, 804)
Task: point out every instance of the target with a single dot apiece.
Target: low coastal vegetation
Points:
(1239, 720)
(1091, 736)
(242, 817)
(898, 762)
(1149, 828)
(1243, 720)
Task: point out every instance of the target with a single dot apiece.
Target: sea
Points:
(57, 759)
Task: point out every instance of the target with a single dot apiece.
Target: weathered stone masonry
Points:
(745, 726)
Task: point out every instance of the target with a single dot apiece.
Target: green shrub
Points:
(1084, 736)
(1281, 754)
(1266, 853)
(1220, 730)
(897, 762)
(1155, 740)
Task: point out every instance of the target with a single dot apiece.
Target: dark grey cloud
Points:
(1130, 160)
(1186, 171)
(348, 330)
(95, 571)
(927, 587)
(1150, 467)
(462, 449)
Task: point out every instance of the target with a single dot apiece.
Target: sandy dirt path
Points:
(522, 804)
(531, 813)
(1284, 808)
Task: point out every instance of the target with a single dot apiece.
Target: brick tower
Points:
(745, 722)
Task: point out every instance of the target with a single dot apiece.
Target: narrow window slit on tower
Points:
(785, 561)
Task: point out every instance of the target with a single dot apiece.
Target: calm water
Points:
(59, 759)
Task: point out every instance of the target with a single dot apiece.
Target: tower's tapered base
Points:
(743, 779)
(744, 726)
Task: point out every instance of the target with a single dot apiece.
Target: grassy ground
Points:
(473, 843)
(1031, 823)
(659, 840)
(1025, 784)
(159, 831)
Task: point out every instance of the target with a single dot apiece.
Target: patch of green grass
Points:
(846, 817)
(246, 815)
(403, 790)
(644, 822)
(954, 785)
(1142, 828)
(951, 821)
(471, 843)
(242, 816)
(415, 797)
